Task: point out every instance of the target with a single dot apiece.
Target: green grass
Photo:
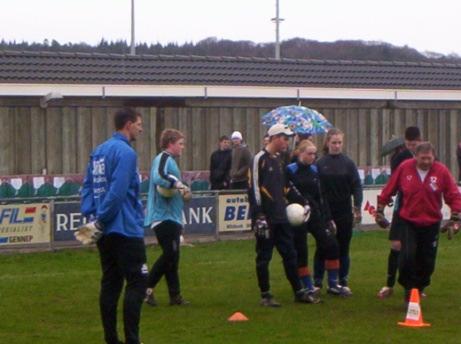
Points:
(53, 298)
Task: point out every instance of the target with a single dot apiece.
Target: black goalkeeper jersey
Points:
(269, 190)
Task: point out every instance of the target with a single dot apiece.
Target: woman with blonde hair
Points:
(304, 175)
(341, 183)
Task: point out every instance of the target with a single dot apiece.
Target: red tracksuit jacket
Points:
(422, 201)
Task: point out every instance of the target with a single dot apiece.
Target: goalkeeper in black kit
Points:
(268, 195)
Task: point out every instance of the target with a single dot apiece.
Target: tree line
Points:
(296, 48)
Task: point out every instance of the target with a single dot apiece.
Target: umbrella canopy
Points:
(391, 145)
(300, 119)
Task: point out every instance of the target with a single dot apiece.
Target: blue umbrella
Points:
(300, 119)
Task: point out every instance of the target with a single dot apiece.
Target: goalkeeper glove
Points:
(331, 227)
(261, 227)
(186, 194)
(89, 233)
(357, 216)
(380, 219)
(452, 226)
(307, 213)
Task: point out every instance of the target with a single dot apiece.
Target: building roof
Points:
(96, 68)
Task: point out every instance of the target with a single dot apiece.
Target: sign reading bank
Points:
(198, 217)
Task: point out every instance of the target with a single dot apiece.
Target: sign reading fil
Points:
(24, 224)
(234, 213)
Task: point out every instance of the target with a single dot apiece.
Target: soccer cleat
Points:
(304, 296)
(150, 300)
(318, 283)
(339, 291)
(178, 300)
(269, 301)
(385, 292)
(315, 291)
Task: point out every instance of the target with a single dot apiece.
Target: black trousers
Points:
(168, 236)
(327, 246)
(417, 256)
(280, 236)
(122, 258)
(344, 222)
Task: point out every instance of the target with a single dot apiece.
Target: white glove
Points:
(186, 194)
(89, 233)
(179, 185)
(307, 212)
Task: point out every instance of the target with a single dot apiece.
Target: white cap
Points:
(236, 135)
(278, 129)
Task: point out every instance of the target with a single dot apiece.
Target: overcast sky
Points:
(427, 25)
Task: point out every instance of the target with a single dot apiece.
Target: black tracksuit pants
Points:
(168, 235)
(344, 223)
(122, 258)
(417, 256)
(281, 236)
(327, 246)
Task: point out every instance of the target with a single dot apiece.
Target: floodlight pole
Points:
(277, 21)
(133, 47)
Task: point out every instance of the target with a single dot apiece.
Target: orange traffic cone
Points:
(414, 316)
(237, 316)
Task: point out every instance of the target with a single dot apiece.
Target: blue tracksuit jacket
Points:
(110, 190)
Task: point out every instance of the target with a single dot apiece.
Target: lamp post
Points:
(133, 47)
(277, 21)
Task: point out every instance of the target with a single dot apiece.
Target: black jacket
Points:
(307, 181)
(220, 164)
(400, 157)
(341, 181)
(270, 191)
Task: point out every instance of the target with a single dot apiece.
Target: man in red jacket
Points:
(422, 182)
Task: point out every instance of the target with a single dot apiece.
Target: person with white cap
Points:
(268, 197)
(240, 162)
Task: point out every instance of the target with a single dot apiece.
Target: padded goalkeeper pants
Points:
(168, 236)
(281, 236)
(417, 255)
(122, 258)
(344, 223)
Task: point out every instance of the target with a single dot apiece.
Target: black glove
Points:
(357, 215)
(331, 227)
(452, 226)
(261, 227)
(380, 219)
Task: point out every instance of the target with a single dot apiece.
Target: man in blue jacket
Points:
(110, 196)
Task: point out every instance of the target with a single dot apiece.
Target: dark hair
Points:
(331, 132)
(425, 147)
(224, 137)
(412, 134)
(169, 136)
(124, 116)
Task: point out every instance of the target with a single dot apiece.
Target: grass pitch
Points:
(53, 298)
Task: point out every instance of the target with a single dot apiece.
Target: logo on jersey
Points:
(433, 183)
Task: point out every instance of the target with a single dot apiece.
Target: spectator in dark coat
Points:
(220, 164)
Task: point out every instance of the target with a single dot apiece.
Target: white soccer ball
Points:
(296, 214)
(165, 192)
